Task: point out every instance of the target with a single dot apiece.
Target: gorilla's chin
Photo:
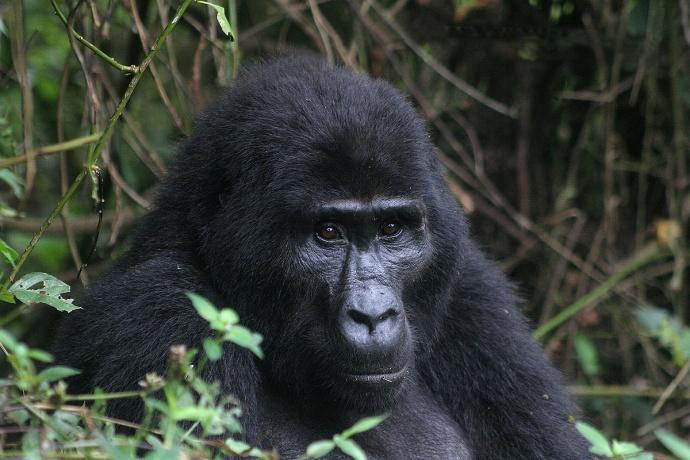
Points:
(371, 394)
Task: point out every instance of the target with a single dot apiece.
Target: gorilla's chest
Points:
(417, 428)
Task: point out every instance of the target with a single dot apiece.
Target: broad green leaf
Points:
(599, 443)
(349, 447)
(236, 446)
(319, 449)
(243, 448)
(243, 337)
(676, 445)
(40, 355)
(221, 18)
(49, 291)
(203, 306)
(9, 254)
(363, 425)
(57, 373)
(625, 448)
(228, 316)
(586, 355)
(212, 349)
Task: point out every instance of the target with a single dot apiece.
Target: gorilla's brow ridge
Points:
(402, 207)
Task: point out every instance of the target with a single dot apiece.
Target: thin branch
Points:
(109, 59)
(51, 149)
(100, 145)
(440, 69)
(646, 256)
(620, 390)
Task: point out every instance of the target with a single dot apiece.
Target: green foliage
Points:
(9, 254)
(343, 441)
(43, 288)
(673, 443)
(669, 330)
(181, 409)
(221, 18)
(587, 355)
(600, 445)
(224, 322)
(619, 67)
(26, 378)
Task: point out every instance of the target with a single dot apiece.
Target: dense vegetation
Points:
(562, 124)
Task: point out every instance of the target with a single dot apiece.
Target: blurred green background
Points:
(562, 126)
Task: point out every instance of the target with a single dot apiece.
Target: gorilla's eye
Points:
(390, 229)
(329, 232)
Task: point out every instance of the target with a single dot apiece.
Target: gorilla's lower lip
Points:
(387, 378)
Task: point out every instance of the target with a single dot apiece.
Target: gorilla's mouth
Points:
(378, 379)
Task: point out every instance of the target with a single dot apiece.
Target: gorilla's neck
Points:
(290, 426)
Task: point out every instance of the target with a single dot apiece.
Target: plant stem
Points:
(644, 257)
(100, 145)
(104, 396)
(109, 59)
(53, 148)
(622, 390)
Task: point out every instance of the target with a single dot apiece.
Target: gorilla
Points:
(309, 199)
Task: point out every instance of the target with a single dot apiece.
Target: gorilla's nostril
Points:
(362, 318)
(390, 313)
(371, 320)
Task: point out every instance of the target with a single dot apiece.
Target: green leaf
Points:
(194, 413)
(625, 448)
(8, 340)
(237, 447)
(57, 373)
(5, 296)
(40, 355)
(320, 449)
(49, 292)
(242, 448)
(221, 18)
(14, 182)
(676, 445)
(651, 318)
(243, 337)
(599, 443)
(349, 447)
(9, 254)
(203, 307)
(212, 349)
(586, 355)
(363, 425)
(228, 316)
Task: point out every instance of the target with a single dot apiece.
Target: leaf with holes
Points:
(43, 288)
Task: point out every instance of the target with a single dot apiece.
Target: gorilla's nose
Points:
(371, 323)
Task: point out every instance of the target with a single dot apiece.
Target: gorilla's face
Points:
(362, 257)
(335, 235)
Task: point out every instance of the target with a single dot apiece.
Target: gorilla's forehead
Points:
(309, 127)
(341, 175)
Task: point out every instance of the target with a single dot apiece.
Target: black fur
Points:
(234, 221)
